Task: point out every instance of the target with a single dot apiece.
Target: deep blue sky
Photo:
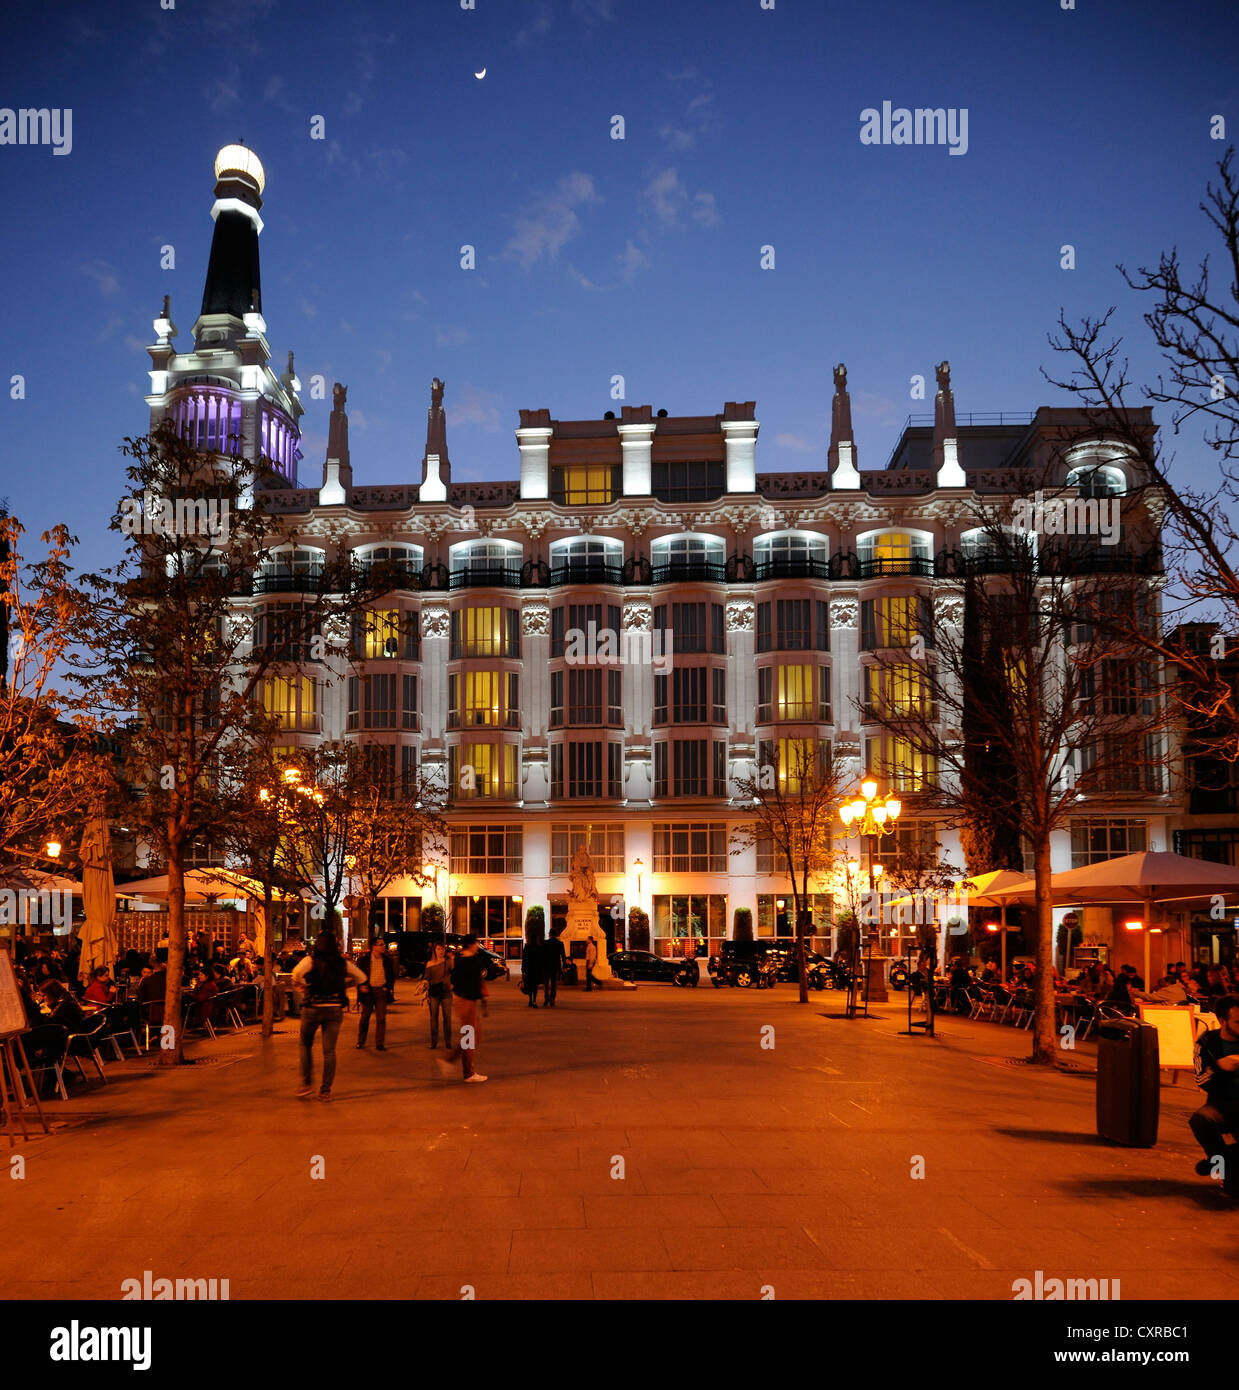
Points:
(595, 256)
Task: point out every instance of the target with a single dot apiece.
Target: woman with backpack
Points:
(323, 979)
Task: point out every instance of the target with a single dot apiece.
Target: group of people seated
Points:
(53, 994)
(1097, 984)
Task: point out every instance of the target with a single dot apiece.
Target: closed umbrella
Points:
(97, 937)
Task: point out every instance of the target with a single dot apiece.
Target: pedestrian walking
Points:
(439, 994)
(375, 994)
(591, 960)
(554, 962)
(323, 979)
(531, 965)
(468, 991)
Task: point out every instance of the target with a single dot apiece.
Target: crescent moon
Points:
(480, 75)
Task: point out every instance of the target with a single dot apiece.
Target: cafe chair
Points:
(150, 1014)
(196, 1018)
(120, 1025)
(228, 1009)
(45, 1048)
(87, 1044)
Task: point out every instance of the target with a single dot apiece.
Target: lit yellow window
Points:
(382, 633)
(586, 484)
(290, 700)
(481, 702)
(795, 692)
(797, 763)
(484, 631)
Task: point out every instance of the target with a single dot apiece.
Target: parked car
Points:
(645, 965)
(413, 951)
(744, 972)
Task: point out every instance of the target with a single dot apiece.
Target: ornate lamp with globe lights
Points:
(871, 816)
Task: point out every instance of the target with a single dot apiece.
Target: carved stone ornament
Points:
(639, 615)
(436, 619)
(843, 612)
(535, 618)
(740, 617)
(948, 609)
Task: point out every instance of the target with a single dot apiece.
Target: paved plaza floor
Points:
(664, 1144)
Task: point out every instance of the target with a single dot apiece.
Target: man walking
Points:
(375, 993)
(468, 990)
(591, 960)
(1217, 1074)
(554, 962)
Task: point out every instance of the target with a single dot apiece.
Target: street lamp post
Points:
(871, 817)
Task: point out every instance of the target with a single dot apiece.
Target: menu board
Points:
(12, 1010)
(1176, 1033)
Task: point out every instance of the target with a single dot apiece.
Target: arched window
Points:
(789, 554)
(1098, 480)
(486, 562)
(894, 552)
(586, 559)
(688, 557)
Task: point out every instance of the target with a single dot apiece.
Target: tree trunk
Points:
(268, 964)
(801, 964)
(175, 1054)
(1045, 1034)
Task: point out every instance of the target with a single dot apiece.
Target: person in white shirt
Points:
(374, 994)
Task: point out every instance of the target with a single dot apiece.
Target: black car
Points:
(743, 972)
(645, 965)
(413, 950)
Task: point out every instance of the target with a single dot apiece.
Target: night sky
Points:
(595, 256)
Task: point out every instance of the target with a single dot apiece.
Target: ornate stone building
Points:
(524, 658)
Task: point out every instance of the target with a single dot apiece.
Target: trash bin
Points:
(1128, 1083)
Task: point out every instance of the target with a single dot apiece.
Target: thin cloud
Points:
(473, 406)
(797, 442)
(451, 337)
(103, 273)
(629, 262)
(549, 222)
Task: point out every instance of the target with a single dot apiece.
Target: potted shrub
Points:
(742, 925)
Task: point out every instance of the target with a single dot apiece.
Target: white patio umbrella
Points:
(97, 936)
(1148, 878)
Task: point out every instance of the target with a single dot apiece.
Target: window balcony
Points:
(792, 567)
(307, 582)
(689, 570)
(918, 565)
(486, 577)
(585, 572)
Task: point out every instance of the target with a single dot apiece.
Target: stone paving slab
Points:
(743, 1168)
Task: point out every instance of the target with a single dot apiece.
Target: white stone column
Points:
(740, 444)
(637, 447)
(534, 443)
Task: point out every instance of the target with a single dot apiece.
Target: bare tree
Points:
(1194, 321)
(183, 662)
(794, 793)
(1074, 712)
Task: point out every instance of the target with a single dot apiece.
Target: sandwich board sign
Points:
(12, 1010)
(1176, 1034)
